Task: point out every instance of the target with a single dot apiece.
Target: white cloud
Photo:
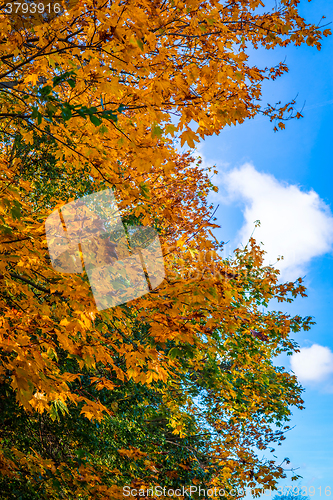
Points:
(312, 364)
(295, 224)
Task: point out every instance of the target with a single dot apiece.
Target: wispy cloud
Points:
(312, 364)
(295, 224)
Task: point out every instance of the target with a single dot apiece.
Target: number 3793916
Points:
(31, 8)
(311, 491)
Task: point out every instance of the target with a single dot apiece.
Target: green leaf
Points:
(56, 484)
(175, 351)
(54, 413)
(144, 190)
(213, 292)
(82, 112)
(80, 453)
(156, 131)
(50, 109)
(95, 120)
(34, 113)
(140, 44)
(110, 115)
(71, 82)
(66, 112)
(64, 77)
(5, 229)
(62, 406)
(103, 129)
(45, 91)
(16, 210)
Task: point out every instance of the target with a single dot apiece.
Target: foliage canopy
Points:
(178, 386)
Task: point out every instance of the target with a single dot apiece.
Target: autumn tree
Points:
(177, 386)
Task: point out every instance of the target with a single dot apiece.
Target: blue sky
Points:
(285, 180)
